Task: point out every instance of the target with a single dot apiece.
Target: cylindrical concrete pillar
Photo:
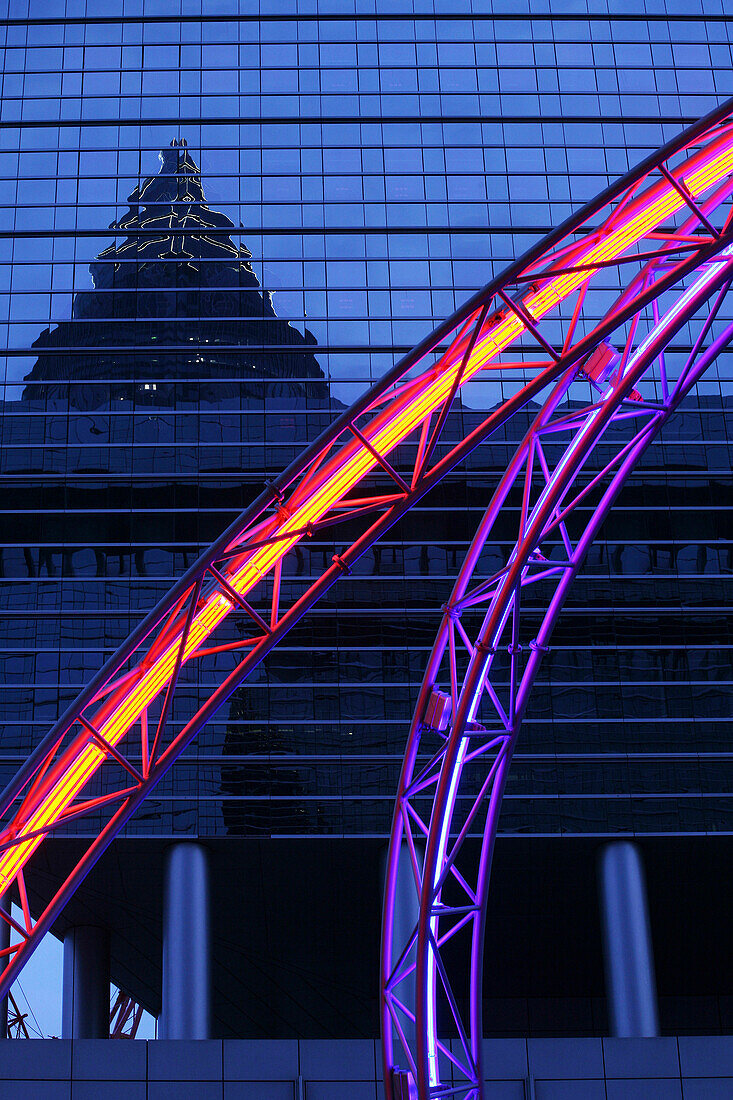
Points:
(4, 943)
(406, 913)
(85, 1006)
(186, 1009)
(629, 961)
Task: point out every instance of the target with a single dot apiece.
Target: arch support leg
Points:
(629, 961)
(4, 944)
(405, 915)
(186, 1012)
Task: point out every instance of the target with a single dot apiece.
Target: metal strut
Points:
(99, 759)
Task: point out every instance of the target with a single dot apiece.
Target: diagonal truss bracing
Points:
(521, 340)
(592, 427)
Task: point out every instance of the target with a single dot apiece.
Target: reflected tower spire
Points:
(175, 305)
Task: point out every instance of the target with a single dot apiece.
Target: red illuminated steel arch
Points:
(556, 492)
(520, 335)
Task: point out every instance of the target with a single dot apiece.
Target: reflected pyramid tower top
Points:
(168, 220)
(176, 312)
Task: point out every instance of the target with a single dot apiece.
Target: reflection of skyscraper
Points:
(174, 391)
(179, 320)
(173, 278)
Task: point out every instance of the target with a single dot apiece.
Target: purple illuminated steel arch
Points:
(489, 648)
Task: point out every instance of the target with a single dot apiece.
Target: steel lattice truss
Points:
(17, 1027)
(125, 1016)
(522, 339)
(591, 429)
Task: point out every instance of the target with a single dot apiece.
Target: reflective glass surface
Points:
(217, 226)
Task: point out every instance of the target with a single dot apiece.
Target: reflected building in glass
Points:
(337, 184)
(176, 278)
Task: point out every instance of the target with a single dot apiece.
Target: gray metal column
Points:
(630, 984)
(406, 914)
(186, 1010)
(85, 1007)
(4, 942)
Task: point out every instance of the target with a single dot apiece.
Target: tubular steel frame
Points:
(125, 1016)
(489, 650)
(17, 1027)
(122, 734)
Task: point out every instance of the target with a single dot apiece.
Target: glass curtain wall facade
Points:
(217, 225)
